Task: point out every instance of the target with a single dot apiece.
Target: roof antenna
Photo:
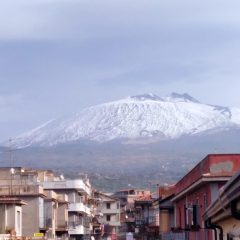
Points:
(10, 153)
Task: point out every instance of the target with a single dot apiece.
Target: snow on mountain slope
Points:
(146, 115)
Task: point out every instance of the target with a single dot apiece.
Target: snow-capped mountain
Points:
(142, 116)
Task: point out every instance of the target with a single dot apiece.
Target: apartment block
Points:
(23, 184)
(78, 193)
(110, 218)
(127, 198)
(146, 217)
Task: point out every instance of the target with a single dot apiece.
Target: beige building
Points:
(62, 216)
(52, 205)
(44, 211)
(11, 216)
(55, 213)
(23, 184)
(127, 198)
(110, 209)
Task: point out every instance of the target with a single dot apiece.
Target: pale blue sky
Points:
(59, 56)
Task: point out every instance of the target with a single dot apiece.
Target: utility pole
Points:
(11, 166)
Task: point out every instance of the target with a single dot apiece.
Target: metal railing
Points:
(20, 189)
(172, 236)
(82, 222)
(46, 222)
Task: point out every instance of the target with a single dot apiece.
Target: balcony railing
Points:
(61, 226)
(75, 228)
(62, 197)
(79, 207)
(21, 190)
(50, 194)
(109, 211)
(46, 223)
(141, 222)
(146, 221)
(75, 224)
(68, 184)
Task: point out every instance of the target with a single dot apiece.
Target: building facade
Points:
(110, 215)
(78, 192)
(127, 198)
(23, 184)
(223, 215)
(198, 189)
(11, 216)
(44, 204)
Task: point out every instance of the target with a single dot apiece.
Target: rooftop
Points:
(212, 166)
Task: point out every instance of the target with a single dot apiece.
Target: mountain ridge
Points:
(136, 117)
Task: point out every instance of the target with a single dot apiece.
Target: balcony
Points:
(50, 194)
(46, 223)
(78, 184)
(62, 226)
(79, 207)
(77, 228)
(110, 211)
(62, 198)
(21, 190)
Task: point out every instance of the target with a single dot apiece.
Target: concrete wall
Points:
(31, 219)
(2, 219)
(62, 215)
(11, 219)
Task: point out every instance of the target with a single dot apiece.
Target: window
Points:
(108, 218)
(108, 205)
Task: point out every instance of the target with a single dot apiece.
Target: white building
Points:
(110, 209)
(79, 211)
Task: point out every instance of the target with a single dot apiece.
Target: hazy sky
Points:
(58, 56)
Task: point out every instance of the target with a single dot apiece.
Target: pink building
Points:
(198, 189)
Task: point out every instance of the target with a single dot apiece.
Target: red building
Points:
(198, 189)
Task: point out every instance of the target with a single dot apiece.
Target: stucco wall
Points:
(30, 214)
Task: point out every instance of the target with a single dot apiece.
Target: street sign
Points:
(38, 235)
